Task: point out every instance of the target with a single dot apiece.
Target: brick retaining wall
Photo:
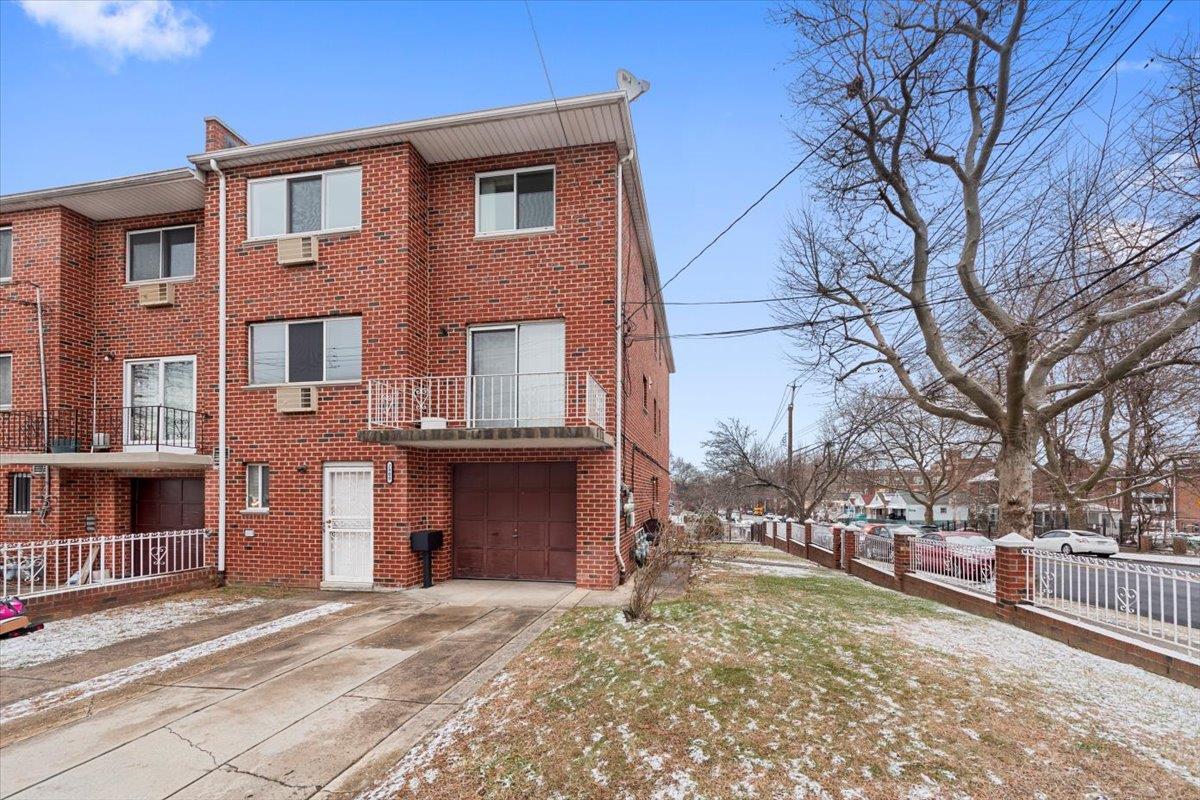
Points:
(83, 601)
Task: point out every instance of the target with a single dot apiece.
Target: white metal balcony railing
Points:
(487, 401)
(1156, 602)
(54, 566)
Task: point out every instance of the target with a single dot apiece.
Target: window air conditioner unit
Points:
(295, 399)
(153, 295)
(296, 250)
(100, 441)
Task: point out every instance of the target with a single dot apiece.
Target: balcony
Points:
(109, 437)
(527, 410)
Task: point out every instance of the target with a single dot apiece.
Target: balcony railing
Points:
(488, 401)
(78, 430)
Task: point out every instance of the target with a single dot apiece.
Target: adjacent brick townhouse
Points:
(357, 336)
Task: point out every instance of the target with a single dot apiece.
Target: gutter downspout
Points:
(618, 424)
(37, 294)
(221, 373)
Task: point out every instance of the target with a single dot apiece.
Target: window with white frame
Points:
(160, 402)
(306, 351)
(20, 497)
(6, 254)
(312, 202)
(258, 484)
(5, 381)
(514, 200)
(160, 254)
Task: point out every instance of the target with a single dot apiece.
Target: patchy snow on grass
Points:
(1129, 706)
(168, 661)
(767, 568)
(92, 631)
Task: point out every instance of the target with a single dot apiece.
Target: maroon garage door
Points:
(515, 521)
(166, 504)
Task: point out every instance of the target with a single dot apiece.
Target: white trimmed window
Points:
(258, 484)
(6, 255)
(515, 200)
(20, 493)
(160, 254)
(306, 351)
(312, 202)
(5, 381)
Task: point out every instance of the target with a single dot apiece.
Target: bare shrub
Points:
(670, 562)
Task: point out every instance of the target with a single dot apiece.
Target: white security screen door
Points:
(516, 375)
(348, 526)
(160, 403)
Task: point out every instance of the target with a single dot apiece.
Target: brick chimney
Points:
(219, 136)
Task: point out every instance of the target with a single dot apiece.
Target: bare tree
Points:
(958, 235)
(734, 448)
(928, 456)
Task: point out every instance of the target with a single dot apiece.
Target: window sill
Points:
(148, 281)
(19, 514)
(268, 239)
(513, 234)
(256, 511)
(314, 384)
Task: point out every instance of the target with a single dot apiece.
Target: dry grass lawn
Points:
(815, 685)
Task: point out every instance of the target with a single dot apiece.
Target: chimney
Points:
(219, 136)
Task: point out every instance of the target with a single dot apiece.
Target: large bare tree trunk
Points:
(1076, 514)
(1014, 471)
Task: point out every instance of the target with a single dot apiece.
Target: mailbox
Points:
(425, 542)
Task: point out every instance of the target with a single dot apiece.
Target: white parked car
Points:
(1080, 542)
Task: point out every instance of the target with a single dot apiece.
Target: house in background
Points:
(319, 346)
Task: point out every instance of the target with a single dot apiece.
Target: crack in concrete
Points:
(279, 781)
(193, 745)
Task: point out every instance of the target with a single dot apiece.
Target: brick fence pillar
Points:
(837, 546)
(849, 545)
(902, 550)
(808, 523)
(1014, 571)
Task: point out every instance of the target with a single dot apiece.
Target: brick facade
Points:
(419, 277)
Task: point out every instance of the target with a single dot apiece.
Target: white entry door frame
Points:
(348, 525)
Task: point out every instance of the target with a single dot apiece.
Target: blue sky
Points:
(712, 131)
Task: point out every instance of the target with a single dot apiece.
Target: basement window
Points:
(160, 254)
(258, 484)
(313, 202)
(306, 351)
(514, 201)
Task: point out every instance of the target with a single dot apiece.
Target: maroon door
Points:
(166, 504)
(515, 521)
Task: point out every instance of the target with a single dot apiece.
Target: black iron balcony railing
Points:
(79, 430)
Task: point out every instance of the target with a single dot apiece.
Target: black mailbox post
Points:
(425, 542)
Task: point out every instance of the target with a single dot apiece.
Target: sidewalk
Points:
(1164, 559)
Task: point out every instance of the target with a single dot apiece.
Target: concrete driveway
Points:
(322, 712)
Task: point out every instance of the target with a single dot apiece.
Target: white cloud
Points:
(1145, 65)
(151, 29)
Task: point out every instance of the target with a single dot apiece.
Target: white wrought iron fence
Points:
(873, 548)
(822, 536)
(967, 566)
(54, 566)
(1160, 603)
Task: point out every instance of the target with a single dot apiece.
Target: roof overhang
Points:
(151, 460)
(587, 119)
(165, 192)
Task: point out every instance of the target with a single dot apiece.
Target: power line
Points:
(546, 71)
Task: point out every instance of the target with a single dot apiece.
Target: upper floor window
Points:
(313, 202)
(6, 254)
(5, 381)
(514, 200)
(306, 351)
(161, 254)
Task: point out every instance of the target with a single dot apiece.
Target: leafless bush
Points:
(669, 563)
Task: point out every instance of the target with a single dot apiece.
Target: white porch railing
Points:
(487, 401)
(54, 566)
(967, 566)
(1156, 602)
(822, 537)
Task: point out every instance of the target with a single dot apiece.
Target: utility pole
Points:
(791, 509)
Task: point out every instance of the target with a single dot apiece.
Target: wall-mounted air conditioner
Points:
(295, 399)
(294, 250)
(153, 295)
(101, 441)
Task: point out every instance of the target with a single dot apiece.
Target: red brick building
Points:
(315, 347)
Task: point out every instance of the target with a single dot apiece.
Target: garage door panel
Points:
(192, 492)
(536, 501)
